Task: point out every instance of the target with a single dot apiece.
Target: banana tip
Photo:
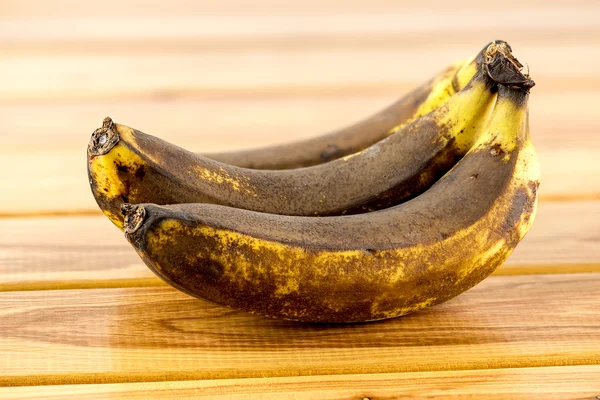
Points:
(133, 217)
(104, 138)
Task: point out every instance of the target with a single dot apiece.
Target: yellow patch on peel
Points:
(291, 285)
(161, 237)
(219, 177)
(352, 155)
(222, 177)
(335, 260)
(104, 170)
(401, 310)
(467, 70)
(128, 136)
(326, 264)
(441, 91)
(466, 114)
(505, 130)
(238, 266)
(398, 275)
(116, 219)
(528, 172)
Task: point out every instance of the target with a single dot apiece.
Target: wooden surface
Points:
(546, 383)
(78, 310)
(147, 334)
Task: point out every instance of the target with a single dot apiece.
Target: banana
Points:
(362, 267)
(359, 136)
(128, 166)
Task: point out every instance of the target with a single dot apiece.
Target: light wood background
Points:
(81, 317)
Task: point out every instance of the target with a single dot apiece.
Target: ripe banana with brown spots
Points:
(357, 137)
(362, 267)
(128, 166)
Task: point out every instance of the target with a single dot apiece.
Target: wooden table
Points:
(82, 317)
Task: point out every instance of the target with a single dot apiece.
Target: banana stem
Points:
(104, 138)
(134, 217)
(503, 67)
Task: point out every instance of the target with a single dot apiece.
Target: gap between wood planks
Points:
(77, 383)
(543, 383)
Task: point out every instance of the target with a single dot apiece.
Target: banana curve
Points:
(139, 168)
(346, 141)
(351, 139)
(363, 267)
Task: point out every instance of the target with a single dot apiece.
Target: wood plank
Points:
(331, 42)
(150, 334)
(335, 20)
(544, 383)
(11, 9)
(49, 253)
(89, 77)
(88, 252)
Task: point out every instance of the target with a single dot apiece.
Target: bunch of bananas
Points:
(401, 211)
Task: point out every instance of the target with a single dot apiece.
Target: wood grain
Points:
(109, 76)
(543, 383)
(332, 21)
(14, 9)
(150, 334)
(72, 252)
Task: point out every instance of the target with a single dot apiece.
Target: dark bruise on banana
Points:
(140, 168)
(362, 267)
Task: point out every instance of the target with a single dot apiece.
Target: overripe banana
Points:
(359, 136)
(362, 267)
(128, 166)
